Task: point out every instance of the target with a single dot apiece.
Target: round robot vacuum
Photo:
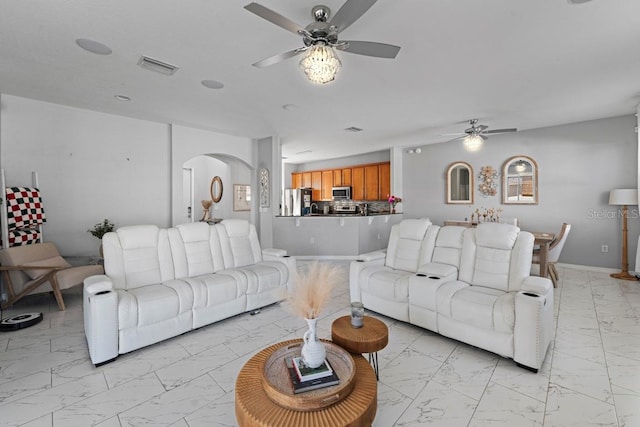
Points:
(20, 321)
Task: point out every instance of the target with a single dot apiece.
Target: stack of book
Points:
(305, 378)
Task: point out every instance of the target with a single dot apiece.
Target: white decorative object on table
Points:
(313, 351)
(311, 292)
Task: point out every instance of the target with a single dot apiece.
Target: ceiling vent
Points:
(353, 129)
(157, 66)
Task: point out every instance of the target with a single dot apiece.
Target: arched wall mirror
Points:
(215, 190)
(460, 183)
(520, 181)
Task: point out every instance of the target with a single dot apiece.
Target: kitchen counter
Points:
(333, 235)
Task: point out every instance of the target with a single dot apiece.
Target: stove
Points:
(346, 209)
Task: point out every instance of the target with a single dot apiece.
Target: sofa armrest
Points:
(100, 318)
(273, 252)
(372, 256)
(537, 285)
(98, 283)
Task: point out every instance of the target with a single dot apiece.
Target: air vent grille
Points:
(157, 66)
(353, 129)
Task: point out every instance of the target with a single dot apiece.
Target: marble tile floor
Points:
(591, 375)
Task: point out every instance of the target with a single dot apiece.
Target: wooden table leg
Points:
(544, 255)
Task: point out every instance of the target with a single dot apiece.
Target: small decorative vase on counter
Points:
(313, 351)
(393, 210)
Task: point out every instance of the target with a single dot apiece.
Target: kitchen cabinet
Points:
(337, 178)
(296, 180)
(384, 178)
(357, 183)
(368, 182)
(327, 185)
(371, 183)
(316, 185)
(306, 179)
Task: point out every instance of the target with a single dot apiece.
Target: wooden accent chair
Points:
(38, 268)
(554, 253)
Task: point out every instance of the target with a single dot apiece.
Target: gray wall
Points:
(578, 165)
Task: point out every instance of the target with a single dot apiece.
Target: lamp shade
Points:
(627, 196)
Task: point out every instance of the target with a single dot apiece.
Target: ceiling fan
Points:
(474, 136)
(321, 36)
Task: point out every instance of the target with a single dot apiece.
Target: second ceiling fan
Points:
(474, 136)
(321, 37)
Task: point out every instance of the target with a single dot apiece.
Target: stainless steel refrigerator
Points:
(296, 202)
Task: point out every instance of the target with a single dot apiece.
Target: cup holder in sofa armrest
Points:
(359, 260)
(530, 294)
(103, 292)
(430, 277)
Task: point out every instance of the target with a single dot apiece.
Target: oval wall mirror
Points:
(460, 183)
(215, 190)
(520, 181)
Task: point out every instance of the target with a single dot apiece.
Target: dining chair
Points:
(554, 253)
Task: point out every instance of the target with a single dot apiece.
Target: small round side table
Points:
(372, 337)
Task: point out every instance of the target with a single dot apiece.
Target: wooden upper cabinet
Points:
(327, 184)
(368, 182)
(346, 177)
(296, 180)
(316, 185)
(306, 179)
(371, 183)
(357, 183)
(337, 177)
(384, 176)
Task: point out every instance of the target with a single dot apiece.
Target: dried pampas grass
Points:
(313, 289)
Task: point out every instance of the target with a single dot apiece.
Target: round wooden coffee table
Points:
(255, 408)
(372, 337)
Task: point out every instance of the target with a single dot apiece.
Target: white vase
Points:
(313, 352)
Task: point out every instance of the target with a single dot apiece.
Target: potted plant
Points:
(100, 229)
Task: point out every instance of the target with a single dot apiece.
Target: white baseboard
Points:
(590, 268)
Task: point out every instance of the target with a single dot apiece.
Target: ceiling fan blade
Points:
(275, 18)
(481, 127)
(501, 130)
(379, 50)
(453, 134)
(349, 13)
(279, 57)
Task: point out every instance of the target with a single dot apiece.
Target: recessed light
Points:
(122, 98)
(212, 84)
(93, 46)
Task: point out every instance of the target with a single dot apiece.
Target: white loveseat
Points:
(470, 284)
(159, 283)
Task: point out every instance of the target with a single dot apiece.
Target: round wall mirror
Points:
(520, 181)
(215, 190)
(460, 183)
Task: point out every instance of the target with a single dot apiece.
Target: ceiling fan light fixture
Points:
(320, 64)
(473, 142)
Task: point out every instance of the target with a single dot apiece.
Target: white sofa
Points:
(470, 284)
(159, 283)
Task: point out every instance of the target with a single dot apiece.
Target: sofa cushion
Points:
(448, 246)
(406, 244)
(485, 308)
(151, 304)
(496, 235)
(386, 283)
(212, 289)
(56, 261)
(195, 248)
(239, 243)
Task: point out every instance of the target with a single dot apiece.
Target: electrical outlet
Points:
(605, 248)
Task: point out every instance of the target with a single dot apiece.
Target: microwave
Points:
(341, 193)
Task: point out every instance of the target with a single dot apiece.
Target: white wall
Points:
(236, 152)
(579, 164)
(91, 166)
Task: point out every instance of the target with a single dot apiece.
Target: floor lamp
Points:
(624, 198)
